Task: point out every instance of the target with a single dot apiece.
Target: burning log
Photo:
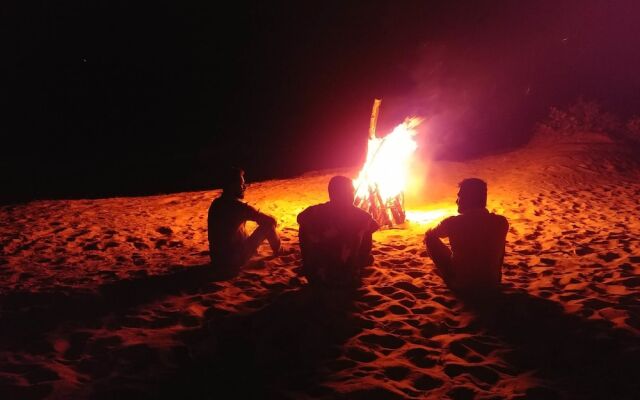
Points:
(380, 185)
(374, 118)
(385, 213)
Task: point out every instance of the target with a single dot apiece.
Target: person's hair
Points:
(231, 177)
(340, 187)
(473, 193)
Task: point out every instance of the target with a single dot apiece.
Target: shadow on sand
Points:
(586, 359)
(269, 352)
(30, 316)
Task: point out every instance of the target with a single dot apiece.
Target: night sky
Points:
(104, 98)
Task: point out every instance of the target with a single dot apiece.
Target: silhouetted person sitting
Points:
(229, 244)
(335, 238)
(477, 238)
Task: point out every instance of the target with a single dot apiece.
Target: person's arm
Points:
(440, 231)
(265, 219)
(505, 226)
(308, 225)
(307, 249)
(302, 237)
(505, 230)
(210, 223)
(367, 243)
(262, 219)
(365, 250)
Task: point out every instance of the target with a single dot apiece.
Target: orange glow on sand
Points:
(430, 217)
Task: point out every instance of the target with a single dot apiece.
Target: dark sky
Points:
(128, 97)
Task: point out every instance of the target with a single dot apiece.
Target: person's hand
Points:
(267, 220)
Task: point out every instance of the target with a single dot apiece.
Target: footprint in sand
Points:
(408, 303)
(416, 274)
(632, 282)
(409, 287)
(449, 303)
(164, 230)
(548, 261)
(424, 310)
(385, 290)
(90, 246)
(426, 382)
(462, 393)
(581, 251)
(431, 329)
(360, 354)
(384, 341)
(372, 300)
(421, 357)
(398, 310)
(480, 372)
(415, 263)
(396, 373)
(609, 256)
(471, 349)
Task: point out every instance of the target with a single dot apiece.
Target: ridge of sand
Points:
(113, 298)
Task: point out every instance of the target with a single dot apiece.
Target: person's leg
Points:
(229, 258)
(441, 256)
(261, 233)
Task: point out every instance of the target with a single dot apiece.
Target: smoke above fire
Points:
(486, 80)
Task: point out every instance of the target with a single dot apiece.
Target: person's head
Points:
(233, 182)
(341, 190)
(472, 194)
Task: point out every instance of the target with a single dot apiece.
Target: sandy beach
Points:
(114, 298)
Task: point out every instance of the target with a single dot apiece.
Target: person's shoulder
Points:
(312, 211)
(503, 220)
(216, 202)
(500, 220)
(233, 203)
(247, 209)
(360, 212)
(364, 218)
(452, 219)
(499, 217)
(315, 208)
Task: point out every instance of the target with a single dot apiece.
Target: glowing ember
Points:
(381, 183)
(429, 217)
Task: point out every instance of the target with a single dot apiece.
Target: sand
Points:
(114, 298)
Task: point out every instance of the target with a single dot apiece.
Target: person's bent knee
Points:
(432, 242)
(430, 237)
(269, 222)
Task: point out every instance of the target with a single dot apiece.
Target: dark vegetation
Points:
(589, 116)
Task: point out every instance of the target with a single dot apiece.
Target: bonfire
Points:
(382, 180)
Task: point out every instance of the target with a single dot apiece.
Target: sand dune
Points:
(113, 298)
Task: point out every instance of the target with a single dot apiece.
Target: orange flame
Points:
(387, 165)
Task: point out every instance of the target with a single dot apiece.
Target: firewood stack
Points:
(385, 213)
